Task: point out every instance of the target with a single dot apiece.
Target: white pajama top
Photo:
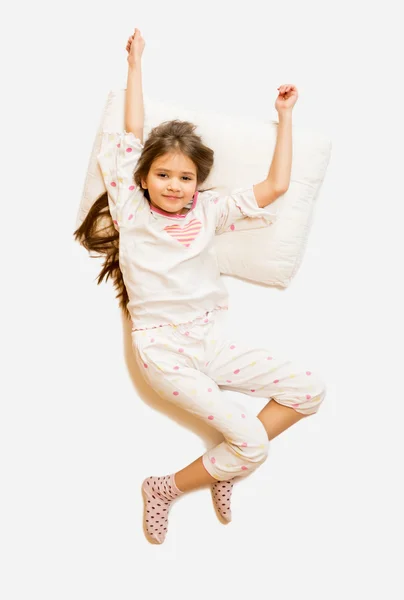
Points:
(168, 263)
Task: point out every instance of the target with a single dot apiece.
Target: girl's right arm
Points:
(134, 106)
(120, 152)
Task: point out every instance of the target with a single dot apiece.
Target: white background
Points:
(79, 429)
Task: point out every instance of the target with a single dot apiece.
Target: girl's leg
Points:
(193, 476)
(275, 418)
(259, 372)
(296, 393)
(243, 451)
(167, 368)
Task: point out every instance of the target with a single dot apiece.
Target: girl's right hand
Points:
(135, 47)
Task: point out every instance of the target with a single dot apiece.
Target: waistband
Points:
(203, 318)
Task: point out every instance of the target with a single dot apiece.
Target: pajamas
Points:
(168, 261)
(188, 364)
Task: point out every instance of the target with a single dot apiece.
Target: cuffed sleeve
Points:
(240, 204)
(119, 155)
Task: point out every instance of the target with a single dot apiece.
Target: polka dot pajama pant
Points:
(189, 364)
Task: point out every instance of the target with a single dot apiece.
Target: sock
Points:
(221, 495)
(158, 494)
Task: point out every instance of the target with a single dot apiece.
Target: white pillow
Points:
(251, 249)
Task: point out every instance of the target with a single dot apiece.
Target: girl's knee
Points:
(314, 397)
(253, 450)
(240, 455)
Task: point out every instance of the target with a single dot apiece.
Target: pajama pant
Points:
(188, 364)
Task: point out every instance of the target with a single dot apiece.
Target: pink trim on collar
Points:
(176, 216)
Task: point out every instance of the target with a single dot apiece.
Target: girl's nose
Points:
(173, 185)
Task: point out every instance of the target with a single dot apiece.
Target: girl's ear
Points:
(144, 185)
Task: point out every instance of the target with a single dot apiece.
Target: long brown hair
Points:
(97, 232)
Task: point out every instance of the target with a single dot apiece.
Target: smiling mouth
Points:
(173, 197)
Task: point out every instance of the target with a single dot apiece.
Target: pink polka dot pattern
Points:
(221, 496)
(255, 370)
(131, 187)
(128, 150)
(113, 184)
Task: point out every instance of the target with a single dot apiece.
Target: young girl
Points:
(161, 256)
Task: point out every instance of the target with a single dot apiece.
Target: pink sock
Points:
(221, 495)
(158, 494)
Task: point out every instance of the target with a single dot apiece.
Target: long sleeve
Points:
(119, 155)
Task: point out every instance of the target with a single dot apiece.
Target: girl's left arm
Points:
(278, 179)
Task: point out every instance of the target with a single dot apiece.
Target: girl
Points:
(157, 233)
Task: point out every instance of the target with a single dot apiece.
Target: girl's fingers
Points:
(284, 89)
(131, 38)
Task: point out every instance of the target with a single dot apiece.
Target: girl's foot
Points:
(158, 495)
(221, 495)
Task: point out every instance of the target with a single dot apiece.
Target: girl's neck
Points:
(184, 211)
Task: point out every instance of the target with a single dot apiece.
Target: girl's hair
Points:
(97, 232)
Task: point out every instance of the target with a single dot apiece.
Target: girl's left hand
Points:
(135, 47)
(287, 97)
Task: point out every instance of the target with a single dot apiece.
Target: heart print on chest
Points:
(185, 235)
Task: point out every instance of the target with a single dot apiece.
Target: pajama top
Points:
(168, 263)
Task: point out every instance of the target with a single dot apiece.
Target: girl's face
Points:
(171, 182)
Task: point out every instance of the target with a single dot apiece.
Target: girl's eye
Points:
(164, 174)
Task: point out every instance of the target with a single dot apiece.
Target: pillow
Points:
(251, 248)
